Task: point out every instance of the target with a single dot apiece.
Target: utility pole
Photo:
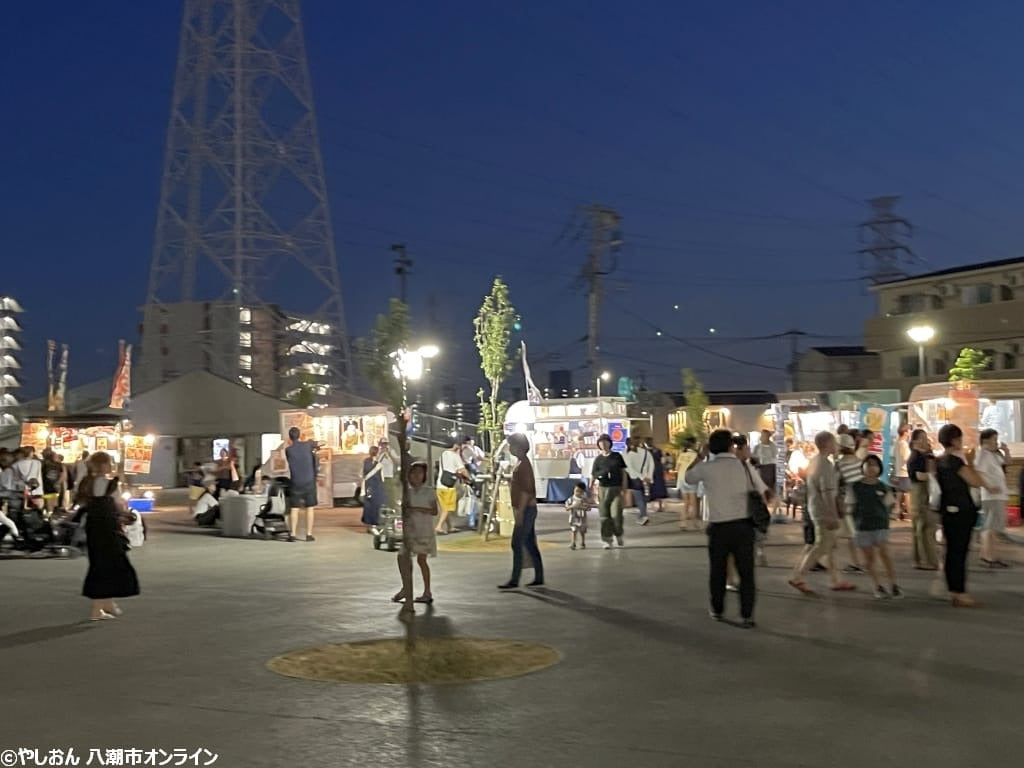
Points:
(605, 241)
(885, 250)
(403, 266)
(794, 356)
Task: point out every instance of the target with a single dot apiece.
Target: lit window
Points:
(245, 339)
(247, 380)
(245, 362)
(245, 316)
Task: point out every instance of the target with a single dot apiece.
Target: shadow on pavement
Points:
(42, 634)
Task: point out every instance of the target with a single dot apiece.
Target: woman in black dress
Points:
(110, 574)
(659, 490)
(956, 475)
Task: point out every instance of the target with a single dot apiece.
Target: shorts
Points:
(903, 484)
(447, 498)
(303, 496)
(994, 512)
(825, 539)
(869, 539)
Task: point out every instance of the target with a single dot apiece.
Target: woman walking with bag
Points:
(110, 573)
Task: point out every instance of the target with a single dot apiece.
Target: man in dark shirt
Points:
(609, 474)
(302, 466)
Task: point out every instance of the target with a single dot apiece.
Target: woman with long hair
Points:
(956, 475)
(110, 573)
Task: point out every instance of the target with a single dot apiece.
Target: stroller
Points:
(272, 520)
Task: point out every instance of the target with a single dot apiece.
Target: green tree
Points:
(305, 395)
(380, 357)
(492, 332)
(696, 404)
(969, 366)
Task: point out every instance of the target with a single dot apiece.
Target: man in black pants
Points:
(727, 481)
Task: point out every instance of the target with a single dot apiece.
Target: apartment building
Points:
(261, 346)
(979, 305)
(829, 369)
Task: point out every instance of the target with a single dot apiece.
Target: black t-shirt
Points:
(955, 491)
(609, 470)
(918, 462)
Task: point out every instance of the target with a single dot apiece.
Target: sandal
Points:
(843, 586)
(398, 598)
(801, 586)
(425, 599)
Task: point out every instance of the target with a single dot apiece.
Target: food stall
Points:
(975, 406)
(71, 435)
(343, 437)
(812, 412)
(563, 435)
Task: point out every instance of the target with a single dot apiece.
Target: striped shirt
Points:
(850, 472)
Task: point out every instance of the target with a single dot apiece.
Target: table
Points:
(237, 514)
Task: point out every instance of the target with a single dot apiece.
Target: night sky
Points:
(738, 140)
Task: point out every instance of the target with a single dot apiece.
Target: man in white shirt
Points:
(990, 464)
(727, 484)
(640, 468)
(823, 505)
(28, 474)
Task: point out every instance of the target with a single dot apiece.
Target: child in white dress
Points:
(578, 505)
(418, 536)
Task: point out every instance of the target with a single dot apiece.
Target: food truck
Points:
(808, 413)
(343, 437)
(563, 435)
(975, 406)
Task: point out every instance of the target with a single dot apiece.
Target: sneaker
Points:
(572, 546)
(881, 594)
(619, 541)
(731, 588)
(897, 593)
(291, 538)
(606, 544)
(645, 521)
(748, 624)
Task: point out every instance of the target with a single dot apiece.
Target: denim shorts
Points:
(868, 539)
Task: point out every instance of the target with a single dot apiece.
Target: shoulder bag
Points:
(757, 510)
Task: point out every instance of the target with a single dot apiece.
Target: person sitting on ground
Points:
(578, 505)
(206, 510)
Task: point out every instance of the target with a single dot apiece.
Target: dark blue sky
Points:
(738, 140)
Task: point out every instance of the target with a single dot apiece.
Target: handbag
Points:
(757, 510)
(448, 478)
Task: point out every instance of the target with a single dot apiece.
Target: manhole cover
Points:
(429, 660)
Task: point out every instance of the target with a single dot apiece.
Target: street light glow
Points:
(428, 351)
(605, 376)
(921, 334)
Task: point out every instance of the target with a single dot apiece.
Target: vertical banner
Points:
(51, 390)
(878, 418)
(781, 414)
(122, 389)
(62, 381)
(533, 395)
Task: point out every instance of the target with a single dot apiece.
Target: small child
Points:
(578, 505)
(873, 501)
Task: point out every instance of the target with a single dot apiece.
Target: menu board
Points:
(138, 454)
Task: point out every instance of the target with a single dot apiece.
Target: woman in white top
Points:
(452, 473)
(418, 536)
(689, 516)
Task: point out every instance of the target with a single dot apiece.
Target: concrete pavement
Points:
(646, 679)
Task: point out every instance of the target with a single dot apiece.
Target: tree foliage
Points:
(969, 365)
(696, 404)
(389, 336)
(492, 333)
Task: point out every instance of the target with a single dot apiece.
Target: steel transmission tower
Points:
(243, 224)
(885, 250)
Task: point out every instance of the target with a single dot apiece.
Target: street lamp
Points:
(921, 335)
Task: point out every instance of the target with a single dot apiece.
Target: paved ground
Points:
(647, 679)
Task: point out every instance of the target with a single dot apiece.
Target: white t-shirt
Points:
(639, 464)
(726, 485)
(989, 465)
(902, 457)
(204, 503)
(451, 462)
(29, 469)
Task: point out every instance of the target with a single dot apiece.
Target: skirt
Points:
(418, 535)
(447, 498)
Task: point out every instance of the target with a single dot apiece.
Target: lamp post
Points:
(412, 365)
(921, 335)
